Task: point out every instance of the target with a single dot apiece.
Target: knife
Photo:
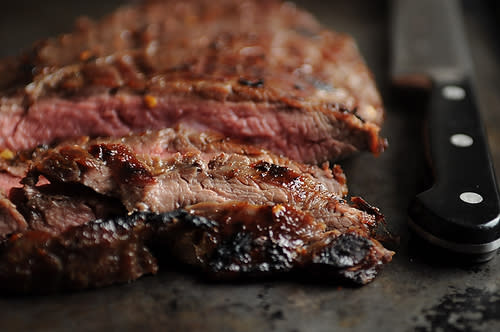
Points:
(461, 211)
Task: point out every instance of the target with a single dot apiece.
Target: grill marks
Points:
(95, 211)
(200, 66)
(164, 170)
(189, 178)
(126, 167)
(245, 212)
(277, 174)
(223, 240)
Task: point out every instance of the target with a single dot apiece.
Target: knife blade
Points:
(461, 211)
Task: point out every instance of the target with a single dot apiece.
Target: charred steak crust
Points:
(228, 79)
(261, 71)
(235, 243)
(91, 255)
(289, 220)
(130, 167)
(162, 185)
(156, 145)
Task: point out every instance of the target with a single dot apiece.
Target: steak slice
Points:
(157, 155)
(167, 142)
(225, 240)
(153, 184)
(153, 148)
(261, 71)
(238, 211)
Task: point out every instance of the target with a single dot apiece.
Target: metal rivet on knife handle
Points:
(453, 92)
(461, 140)
(471, 197)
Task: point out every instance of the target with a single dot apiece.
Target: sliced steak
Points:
(145, 183)
(225, 240)
(283, 238)
(154, 145)
(157, 152)
(164, 83)
(172, 141)
(55, 208)
(244, 211)
(91, 255)
(260, 71)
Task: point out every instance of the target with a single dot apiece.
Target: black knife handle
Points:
(463, 205)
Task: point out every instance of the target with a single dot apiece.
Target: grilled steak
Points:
(224, 239)
(245, 212)
(166, 113)
(261, 71)
(155, 149)
(167, 142)
(172, 141)
(161, 181)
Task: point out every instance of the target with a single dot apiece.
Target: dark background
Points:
(411, 293)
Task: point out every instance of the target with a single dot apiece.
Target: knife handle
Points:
(463, 207)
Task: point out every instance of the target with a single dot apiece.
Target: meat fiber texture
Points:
(158, 171)
(193, 128)
(121, 249)
(260, 71)
(231, 210)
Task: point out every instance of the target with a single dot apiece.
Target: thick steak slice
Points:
(283, 238)
(54, 208)
(142, 183)
(168, 142)
(91, 255)
(260, 71)
(225, 240)
(154, 145)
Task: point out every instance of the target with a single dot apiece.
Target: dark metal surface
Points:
(411, 293)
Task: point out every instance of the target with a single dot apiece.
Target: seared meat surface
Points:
(164, 181)
(223, 239)
(159, 171)
(55, 208)
(237, 211)
(154, 145)
(261, 71)
(196, 130)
